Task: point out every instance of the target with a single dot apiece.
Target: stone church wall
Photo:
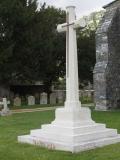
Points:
(107, 68)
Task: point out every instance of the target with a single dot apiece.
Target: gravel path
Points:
(43, 109)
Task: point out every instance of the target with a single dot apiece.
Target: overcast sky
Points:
(83, 7)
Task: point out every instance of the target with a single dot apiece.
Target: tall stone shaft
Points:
(72, 88)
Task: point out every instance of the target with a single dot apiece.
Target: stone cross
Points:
(5, 110)
(72, 89)
(73, 129)
(5, 103)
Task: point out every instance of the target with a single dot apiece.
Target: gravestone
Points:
(53, 98)
(73, 129)
(17, 101)
(5, 111)
(60, 96)
(43, 98)
(31, 100)
(107, 68)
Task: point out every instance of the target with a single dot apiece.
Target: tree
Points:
(51, 63)
(16, 20)
(30, 48)
(86, 57)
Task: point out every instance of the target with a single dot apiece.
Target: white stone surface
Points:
(73, 129)
(5, 111)
(31, 100)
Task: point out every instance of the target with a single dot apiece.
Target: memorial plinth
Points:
(73, 129)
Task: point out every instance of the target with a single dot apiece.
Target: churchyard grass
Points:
(18, 124)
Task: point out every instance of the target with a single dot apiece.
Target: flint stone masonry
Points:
(107, 68)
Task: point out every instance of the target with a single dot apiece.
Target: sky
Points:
(83, 7)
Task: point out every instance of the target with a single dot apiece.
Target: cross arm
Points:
(81, 23)
(1, 103)
(62, 27)
(76, 24)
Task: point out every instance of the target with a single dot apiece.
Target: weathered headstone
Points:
(17, 101)
(73, 129)
(43, 98)
(61, 96)
(5, 111)
(107, 68)
(53, 98)
(31, 100)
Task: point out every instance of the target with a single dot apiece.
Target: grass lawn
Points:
(18, 124)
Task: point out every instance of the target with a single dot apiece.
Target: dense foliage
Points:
(86, 56)
(31, 49)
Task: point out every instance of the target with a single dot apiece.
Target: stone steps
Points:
(74, 138)
(77, 147)
(74, 130)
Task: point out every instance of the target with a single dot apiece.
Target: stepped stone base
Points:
(72, 131)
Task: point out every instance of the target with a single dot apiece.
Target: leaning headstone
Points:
(31, 100)
(43, 98)
(5, 111)
(53, 98)
(17, 101)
